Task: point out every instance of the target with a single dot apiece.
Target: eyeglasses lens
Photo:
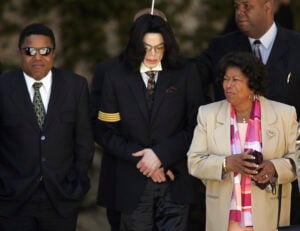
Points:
(31, 51)
(157, 49)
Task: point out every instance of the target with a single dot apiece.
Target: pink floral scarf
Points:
(240, 208)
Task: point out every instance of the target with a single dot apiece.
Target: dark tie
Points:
(150, 88)
(38, 104)
(256, 49)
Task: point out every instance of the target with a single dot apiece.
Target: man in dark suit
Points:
(46, 143)
(283, 17)
(147, 123)
(280, 52)
(107, 182)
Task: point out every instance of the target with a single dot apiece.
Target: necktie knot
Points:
(151, 74)
(256, 49)
(257, 42)
(36, 86)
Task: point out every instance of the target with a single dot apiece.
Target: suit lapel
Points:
(222, 130)
(270, 134)
(243, 44)
(279, 48)
(55, 98)
(21, 98)
(163, 82)
(134, 81)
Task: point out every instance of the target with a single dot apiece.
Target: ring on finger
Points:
(266, 176)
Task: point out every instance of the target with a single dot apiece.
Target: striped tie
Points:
(256, 49)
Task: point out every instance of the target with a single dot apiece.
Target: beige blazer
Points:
(211, 144)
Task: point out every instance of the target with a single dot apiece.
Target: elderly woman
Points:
(241, 194)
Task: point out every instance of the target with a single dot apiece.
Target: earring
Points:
(252, 97)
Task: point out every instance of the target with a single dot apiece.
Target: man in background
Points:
(283, 17)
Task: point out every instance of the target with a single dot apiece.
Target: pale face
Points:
(154, 46)
(235, 85)
(37, 66)
(253, 17)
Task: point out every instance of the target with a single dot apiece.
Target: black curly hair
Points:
(36, 29)
(254, 70)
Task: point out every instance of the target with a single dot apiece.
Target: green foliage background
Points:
(82, 37)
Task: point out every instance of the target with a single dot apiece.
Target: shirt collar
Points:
(144, 68)
(268, 38)
(47, 80)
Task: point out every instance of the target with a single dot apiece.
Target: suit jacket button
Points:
(44, 159)
(43, 137)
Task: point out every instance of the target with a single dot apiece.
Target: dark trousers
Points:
(38, 214)
(156, 211)
(196, 221)
(295, 204)
(114, 219)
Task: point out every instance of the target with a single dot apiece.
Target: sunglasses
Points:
(32, 51)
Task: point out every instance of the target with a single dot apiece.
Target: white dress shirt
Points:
(144, 69)
(267, 41)
(45, 89)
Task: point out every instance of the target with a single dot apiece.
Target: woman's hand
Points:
(266, 172)
(240, 163)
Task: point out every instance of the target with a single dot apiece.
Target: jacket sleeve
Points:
(285, 166)
(96, 93)
(84, 148)
(107, 125)
(201, 163)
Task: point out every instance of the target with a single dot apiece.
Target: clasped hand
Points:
(240, 163)
(150, 166)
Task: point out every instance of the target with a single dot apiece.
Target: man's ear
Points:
(269, 6)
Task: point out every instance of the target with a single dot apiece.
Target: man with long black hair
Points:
(146, 120)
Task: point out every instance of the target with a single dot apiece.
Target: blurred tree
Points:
(90, 31)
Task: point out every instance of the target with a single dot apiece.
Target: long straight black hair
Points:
(134, 52)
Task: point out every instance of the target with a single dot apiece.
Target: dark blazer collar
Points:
(243, 42)
(278, 50)
(135, 83)
(163, 82)
(280, 47)
(21, 97)
(57, 89)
